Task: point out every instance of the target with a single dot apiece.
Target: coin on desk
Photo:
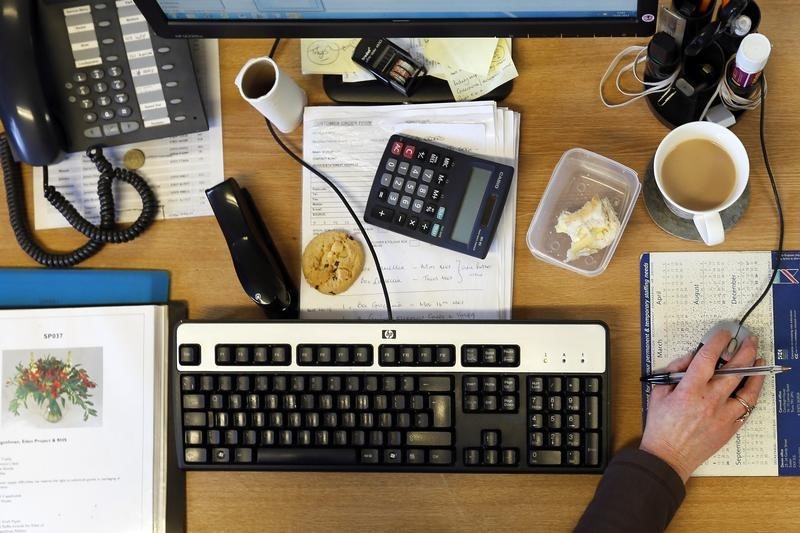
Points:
(133, 159)
(332, 261)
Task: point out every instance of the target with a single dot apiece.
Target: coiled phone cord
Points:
(105, 233)
(100, 235)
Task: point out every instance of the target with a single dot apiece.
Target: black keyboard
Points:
(495, 396)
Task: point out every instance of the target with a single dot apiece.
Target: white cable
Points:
(641, 56)
(730, 99)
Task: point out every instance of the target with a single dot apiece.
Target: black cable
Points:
(341, 197)
(778, 208)
(99, 235)
(106, 234)
(17, 214)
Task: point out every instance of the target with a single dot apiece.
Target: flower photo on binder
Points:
(52, 385)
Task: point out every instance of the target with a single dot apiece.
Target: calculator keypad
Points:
(418, 189)
(405, 188)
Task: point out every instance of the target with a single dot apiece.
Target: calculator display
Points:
(465, 220)
(438, 195)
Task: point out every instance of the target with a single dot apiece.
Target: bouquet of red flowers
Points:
(51, 382)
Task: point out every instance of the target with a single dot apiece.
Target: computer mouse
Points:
(737, 332)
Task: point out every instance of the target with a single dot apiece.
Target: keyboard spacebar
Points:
(306, 456)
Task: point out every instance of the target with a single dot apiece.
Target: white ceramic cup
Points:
(272, 92)
(708, 223)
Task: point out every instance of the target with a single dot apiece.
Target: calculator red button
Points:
(397, 148)
(409, 152)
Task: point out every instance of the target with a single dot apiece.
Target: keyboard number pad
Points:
(564, 420)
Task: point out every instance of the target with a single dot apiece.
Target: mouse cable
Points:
(339, 194)
(778, 208)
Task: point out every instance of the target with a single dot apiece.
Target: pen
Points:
(670, 378)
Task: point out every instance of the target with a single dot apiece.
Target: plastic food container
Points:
(578, 176)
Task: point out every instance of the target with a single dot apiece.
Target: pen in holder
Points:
(707, 49)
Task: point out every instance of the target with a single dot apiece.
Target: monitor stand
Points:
(374, 92)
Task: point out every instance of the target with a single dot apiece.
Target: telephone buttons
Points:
(80, 77)
(107, 114)
(118, 85)
(93, 133)
(111, 129)
(171, 84)
(104, 101)
(97, 74)
(100, 87)
(121, 98)
(87, 103)
(83, 90)
(124, 111)
(128, 127)
(115, 72)
(90, 117)
(163, 49)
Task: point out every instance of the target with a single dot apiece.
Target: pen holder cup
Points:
(729, 42)
(687, 98)
(694, 24)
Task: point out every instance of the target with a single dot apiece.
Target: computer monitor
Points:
(393, 18)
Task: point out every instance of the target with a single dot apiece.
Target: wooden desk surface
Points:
(557, 96)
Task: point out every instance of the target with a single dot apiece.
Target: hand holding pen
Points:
(688, 422)
(671, 378)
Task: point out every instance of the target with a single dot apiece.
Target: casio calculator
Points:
(438, 195)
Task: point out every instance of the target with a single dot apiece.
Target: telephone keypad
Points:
(120, 80)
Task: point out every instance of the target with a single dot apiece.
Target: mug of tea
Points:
(701, 169)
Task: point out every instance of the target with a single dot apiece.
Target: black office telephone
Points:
(77, 73)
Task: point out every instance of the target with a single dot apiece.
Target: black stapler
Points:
(255, 258)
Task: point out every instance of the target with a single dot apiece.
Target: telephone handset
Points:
(77, 73)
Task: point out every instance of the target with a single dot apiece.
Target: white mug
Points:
(272, 92)
(708, 223)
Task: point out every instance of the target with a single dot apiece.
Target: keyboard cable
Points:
(335, 189)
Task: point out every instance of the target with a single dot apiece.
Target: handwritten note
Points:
(473, 67)
(179, 169)
(424, 281)
(466, 85)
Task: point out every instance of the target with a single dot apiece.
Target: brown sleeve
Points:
(638, 492)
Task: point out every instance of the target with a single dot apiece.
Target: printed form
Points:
(684, 295)
(424, 281)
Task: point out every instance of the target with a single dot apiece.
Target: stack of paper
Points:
(472, 67)
(425, 281)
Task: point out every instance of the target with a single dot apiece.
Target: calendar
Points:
(684, 294)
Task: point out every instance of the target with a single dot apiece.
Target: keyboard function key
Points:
(189, 354)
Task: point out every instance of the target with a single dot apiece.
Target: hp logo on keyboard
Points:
(389, 334)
